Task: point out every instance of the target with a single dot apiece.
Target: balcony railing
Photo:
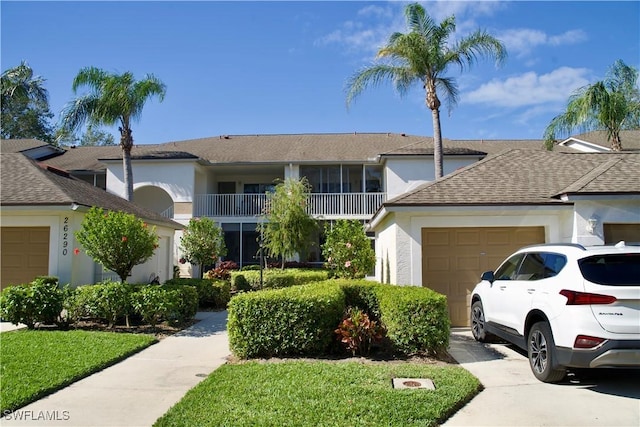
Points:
(359, 205)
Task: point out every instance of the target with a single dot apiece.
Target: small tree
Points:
(348, 250)
(117, 240)
(202, 242)
(288, 228)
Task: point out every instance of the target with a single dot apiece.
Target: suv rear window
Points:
(614, 269)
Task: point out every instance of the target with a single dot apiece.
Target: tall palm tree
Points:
(112, 98)
(612, 104)
(422, 56)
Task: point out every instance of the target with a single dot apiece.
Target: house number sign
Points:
(65, 236)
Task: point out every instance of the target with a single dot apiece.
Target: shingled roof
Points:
(529, 177)
(630, 139)
(299, 148)
(25, 183)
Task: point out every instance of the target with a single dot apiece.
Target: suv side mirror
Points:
(488, 276)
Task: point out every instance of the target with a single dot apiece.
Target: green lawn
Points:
(322, 394)
(36, 363)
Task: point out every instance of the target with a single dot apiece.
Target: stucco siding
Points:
(602, 211)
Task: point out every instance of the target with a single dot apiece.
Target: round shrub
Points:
(40, 301)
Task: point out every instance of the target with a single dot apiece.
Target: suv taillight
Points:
(584, 298)
(585, 341)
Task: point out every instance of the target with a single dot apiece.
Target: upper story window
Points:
(343, 178)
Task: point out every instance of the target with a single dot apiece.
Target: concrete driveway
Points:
(513, 397)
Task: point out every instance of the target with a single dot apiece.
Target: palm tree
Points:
(19, 83)
(423, 56)
(25, 105)
(612, 104)
(113, 98)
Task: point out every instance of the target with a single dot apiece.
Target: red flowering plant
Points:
(117, 240)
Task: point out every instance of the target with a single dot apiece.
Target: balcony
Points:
(321, 205)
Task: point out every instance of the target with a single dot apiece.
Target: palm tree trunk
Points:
(126, 142)
(437, 143)
(616, 143)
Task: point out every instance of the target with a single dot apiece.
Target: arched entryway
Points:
(155, 199)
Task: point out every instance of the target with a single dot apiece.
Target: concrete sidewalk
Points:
(514, 397)
(141, 388)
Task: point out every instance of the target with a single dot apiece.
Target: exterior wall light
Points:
(591, 224)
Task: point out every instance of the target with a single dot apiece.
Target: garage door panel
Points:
(438, 238)
(470, 238)
(439, 264)
(454, 269)
(614, 233)
(468, 263)
(24, 254)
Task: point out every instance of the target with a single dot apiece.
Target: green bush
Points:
(275, 278)
(416, 319)
(347, 249)
(112, 300)
(362, 294)
(174, 303)
(79, 303)
(283, 322)
(40, 301)
(212, 293)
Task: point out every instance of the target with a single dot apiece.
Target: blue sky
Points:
(272, 67)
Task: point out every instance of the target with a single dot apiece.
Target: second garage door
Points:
(454, 258)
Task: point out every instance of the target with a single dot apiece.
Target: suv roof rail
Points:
(571, 245)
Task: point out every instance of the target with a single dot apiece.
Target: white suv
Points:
(566, 305)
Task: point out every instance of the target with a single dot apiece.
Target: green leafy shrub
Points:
(239, 283)
(357, 332)
(283, 322)
(416, 319)
(348, 250)
(211, 293)
(202, 242)
(80, 303)
(276, 278)
(174, 303)
(117, 240)
(362, 294)
(112, 300)
(40, 301)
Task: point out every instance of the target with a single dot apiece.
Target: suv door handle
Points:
(503, 287)
(531, 290)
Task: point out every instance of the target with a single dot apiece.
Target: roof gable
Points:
(25, 183)
(529, 177)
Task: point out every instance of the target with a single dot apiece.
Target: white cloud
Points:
(529, 89)
(522, 41)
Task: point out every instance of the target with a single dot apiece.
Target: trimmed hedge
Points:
(283, 322)
(274, 278)
(212, 293)
(301, 320)
(416, 319)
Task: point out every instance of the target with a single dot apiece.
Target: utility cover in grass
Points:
(400, 383)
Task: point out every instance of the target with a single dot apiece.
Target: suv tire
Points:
(477, 323)
(541, 352)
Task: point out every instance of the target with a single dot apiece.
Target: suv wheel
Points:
(477, 323)
(540, 348)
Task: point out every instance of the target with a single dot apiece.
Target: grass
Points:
(300, 393)
(36, 363)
